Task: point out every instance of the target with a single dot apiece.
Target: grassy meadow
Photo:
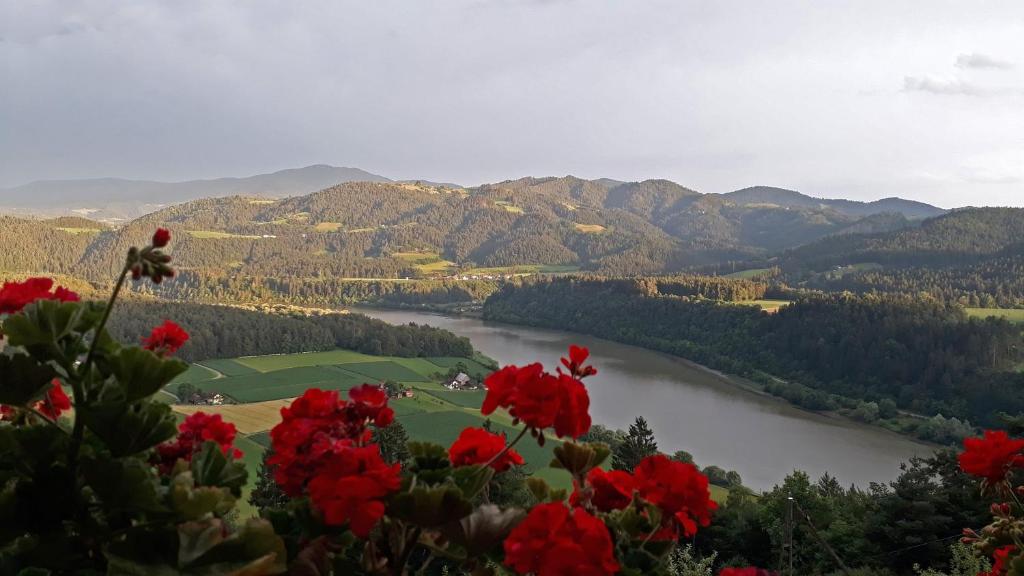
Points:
(1015, 315)
(264, 384)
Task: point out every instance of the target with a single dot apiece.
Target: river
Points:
(692, 409)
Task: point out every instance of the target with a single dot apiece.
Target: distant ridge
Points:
(792, 199)
(116, 198)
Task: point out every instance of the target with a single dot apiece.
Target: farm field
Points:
(1015, 315)
(767, 305)
(747, 274)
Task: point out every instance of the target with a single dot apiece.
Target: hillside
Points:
(117, 199)
(770, 196)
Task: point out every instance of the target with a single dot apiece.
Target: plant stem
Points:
(77, 383)
(410, 544)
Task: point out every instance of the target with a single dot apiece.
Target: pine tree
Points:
(393, 442)
(266, 493)
(639, 444)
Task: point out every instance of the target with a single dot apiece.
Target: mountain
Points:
(769, 196)
(115, 199)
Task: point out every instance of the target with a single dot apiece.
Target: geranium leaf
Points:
(124, 484)
(142, 373)
(254, 550)
(129, 428)
(22, 379)
(430, 506)
(211, 467)
(192, 502)
(42, 326)
(472, 479)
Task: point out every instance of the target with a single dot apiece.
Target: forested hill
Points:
(972, 256)
(389, 230)
(227, 332)
(767, 195)
(917, 354)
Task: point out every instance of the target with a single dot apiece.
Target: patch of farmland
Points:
(247, 418)
(387, 370)
(289, 383)
(252, 457)
(421, 366)
(228, 367)
(444, 427)
(464, 398)
(195, 373)
(282, 361)
(473, 368)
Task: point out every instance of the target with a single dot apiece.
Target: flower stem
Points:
(507, 448)
(77, 388)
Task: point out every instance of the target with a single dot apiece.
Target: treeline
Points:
(995, 283)
(227, 332)
(324, 291)
(821, 351)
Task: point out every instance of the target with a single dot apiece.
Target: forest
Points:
(824, 351)
(228, 332)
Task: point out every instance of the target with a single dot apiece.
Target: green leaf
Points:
(484, 529)
(211, 467)
(429, 507)
(129, 428)
(192, 502)
(124, 484)
(579, 459)
(50, 329)
(22, 379)
(142, 373)
(253, 550)
(472, 479)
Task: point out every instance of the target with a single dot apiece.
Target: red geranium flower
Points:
(678, 489)
(577, 356)
(352, 486)
(539, 399)
(193, 432)
(748, 571)
(552, 541)
(991, 456)
(16, 295)
(55, 402)
(161, 237)
(165, 339)
(319, 424)
(478, 446)
(611, 490)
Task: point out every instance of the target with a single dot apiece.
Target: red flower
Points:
(161, 237)
(16, 295)
(193, 432)
(352, 486)
(678, 489)
(992, 456)
(52, 405)
(369, 402)
(612, 490)
(317, 425)
(165, 339)
(577, 356)
(748, 571)
(539, 399)
(55, 402)
(478, 446)
(573, 416)
(552, 541)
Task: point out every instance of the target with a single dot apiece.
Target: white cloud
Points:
(943, 86)
(981, 62)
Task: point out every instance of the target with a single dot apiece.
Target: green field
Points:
(382, 371)
(287, 383)
(766, 305)
(282, 361)
(526, 269)
(196, 374)
(464, 398)
(747, 274)
(1015, 315)
(228, 367)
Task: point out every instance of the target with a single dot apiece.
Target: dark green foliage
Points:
(225, 332)
(393, 441)
(924, 355)
(266, 494)
(638, 444)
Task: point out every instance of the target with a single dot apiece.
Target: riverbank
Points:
(717, 417)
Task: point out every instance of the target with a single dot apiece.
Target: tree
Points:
(682, 456)
(185, 392)
(393, 441)
(599, 433)
(638, 444)
(266, 493)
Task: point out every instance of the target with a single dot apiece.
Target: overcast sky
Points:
(855, 99)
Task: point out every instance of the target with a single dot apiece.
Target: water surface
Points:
(692, 409)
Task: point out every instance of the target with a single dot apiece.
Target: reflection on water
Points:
(691, 409)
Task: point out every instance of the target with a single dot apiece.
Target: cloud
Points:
(982, 62)
(942, 86)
